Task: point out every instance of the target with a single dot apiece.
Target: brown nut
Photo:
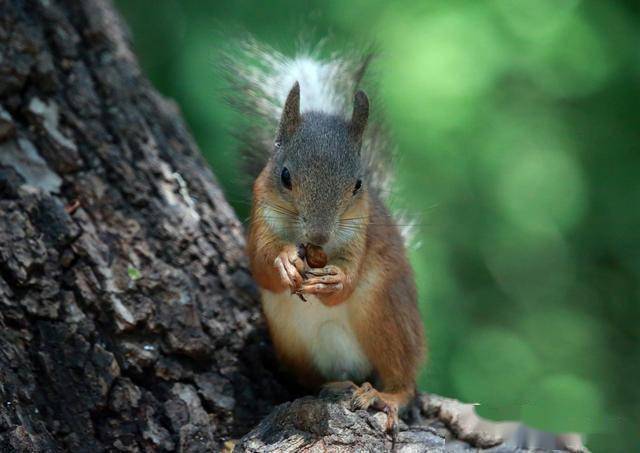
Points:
(316, 257)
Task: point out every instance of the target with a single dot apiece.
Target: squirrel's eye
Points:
(357, 187)
(286, 178)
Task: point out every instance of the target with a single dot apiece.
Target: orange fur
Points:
(379, 292)
(263, 246)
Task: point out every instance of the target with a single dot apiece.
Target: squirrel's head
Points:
(318, 174)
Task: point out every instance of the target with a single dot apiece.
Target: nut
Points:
(316, 257)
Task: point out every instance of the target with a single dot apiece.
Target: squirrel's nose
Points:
(318, 238)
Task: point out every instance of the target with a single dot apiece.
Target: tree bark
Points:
(128, 319)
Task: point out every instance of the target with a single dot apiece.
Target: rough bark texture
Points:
(432, 424)
(128, 320)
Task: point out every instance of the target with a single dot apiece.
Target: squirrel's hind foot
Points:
(365, 397)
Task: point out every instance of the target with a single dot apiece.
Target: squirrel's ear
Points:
(360, 115)
(290, 114)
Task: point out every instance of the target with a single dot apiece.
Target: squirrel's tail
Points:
(260, 79)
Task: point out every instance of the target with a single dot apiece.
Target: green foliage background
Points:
(518, 128)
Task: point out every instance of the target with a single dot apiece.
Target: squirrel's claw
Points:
(321, 288)
(324, 271)
(323, 281)
(288, 272)
(366, 397)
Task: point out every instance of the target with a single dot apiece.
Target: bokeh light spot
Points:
(575, 62)
(542, 189)
(534, 19)
(529, 267)
(495, 365)
(454, 57)
(563, 402)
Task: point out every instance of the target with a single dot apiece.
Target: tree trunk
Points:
(127, 316)
(128, 319)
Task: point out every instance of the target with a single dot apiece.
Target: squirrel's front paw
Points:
(326, 280)
(289, 266)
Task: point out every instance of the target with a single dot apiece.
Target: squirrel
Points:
(353, 323)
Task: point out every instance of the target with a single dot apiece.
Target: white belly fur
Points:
(324, 331)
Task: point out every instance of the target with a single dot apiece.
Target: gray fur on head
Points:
(322, 156)
(290, 118)
(360, 115)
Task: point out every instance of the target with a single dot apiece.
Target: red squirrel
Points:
(354, 322)
(337, 290)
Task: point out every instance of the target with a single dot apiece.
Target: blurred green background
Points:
(518, 128)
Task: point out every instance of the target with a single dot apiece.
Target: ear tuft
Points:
(360, 115)
(290, 114)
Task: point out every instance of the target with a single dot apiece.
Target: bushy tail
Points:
(260, 79)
